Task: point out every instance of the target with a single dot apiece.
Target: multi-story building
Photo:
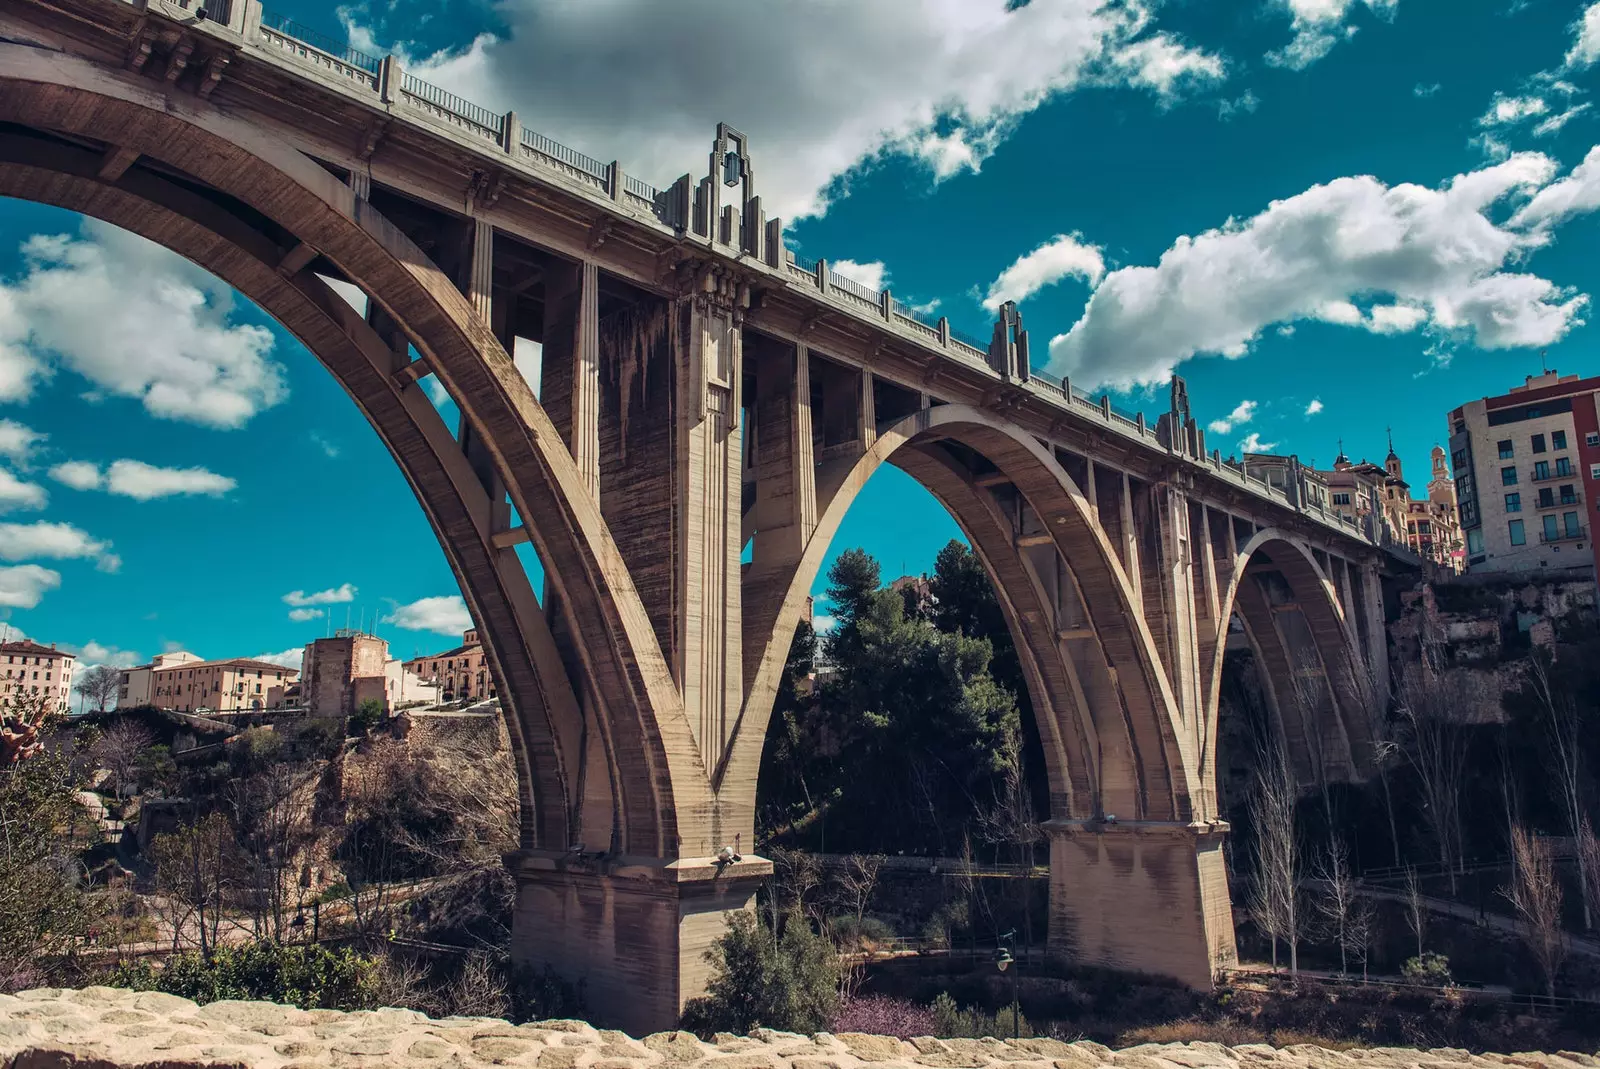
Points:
(137, 684)
(341, 672)
(460, 673)
(230, 686)
(1299, 483)
(1526, 465)
(31, 668)
(1433, 526)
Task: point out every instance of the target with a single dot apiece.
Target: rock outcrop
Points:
(107, 1028)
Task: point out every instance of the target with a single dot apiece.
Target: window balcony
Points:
(1564, 536)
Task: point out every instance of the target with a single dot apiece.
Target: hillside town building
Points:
(137, 687)
(1527, 464)
(341, 672)
(238, 685)
(460, 673)
(31, 668)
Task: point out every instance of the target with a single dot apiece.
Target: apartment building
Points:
(1527, 467)
(460, 673)
(138, 684)
(237, 685)
(345, 670)
(30, 668)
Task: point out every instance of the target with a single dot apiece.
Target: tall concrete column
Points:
(786, 473)
(1144, 896)
(570, 388)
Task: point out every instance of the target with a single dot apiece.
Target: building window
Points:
(1551, 533)
(1563, 466)
(1568, 495)
(1506, 450)
(1569, 520)
(1547, 498)
(1541, 470)
(1558, 439)
(1513, 502)
(1508, 476)
(1344, 499)
(1591, 439)
(1475, 541)
(1594, 471)
(1519, 537)
(1538, 443)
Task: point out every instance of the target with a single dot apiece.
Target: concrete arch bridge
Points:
(702, 389)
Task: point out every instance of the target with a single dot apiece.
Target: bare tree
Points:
(1430, 701)
(1564, 726)
(1416, 908)
(99, 686)
(1536, 895)
(856, 881)
(1339, 901)
(1274, 894)
(195, 865)
(1588, 849)
(1011, 822)
(272, 810)
(119, 750)
(795, 879)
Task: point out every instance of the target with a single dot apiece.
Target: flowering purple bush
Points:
(880, 1015)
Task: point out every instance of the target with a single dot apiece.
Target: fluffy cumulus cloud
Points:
(873, 275)
(1243, 412)
(288, 658)
(300, 616)
(92, 654)
(136, 321)
(1064, 256)
(1386, 259)
(16, 493)
(1508, 110)
(22, 586)
(1318, 25)
(819, 87)
(1253, 444)
(17, 442)
(1585, 50)
(141, 481)
(1314, 407)
(50, 541)
(338, 595)
(444, 615)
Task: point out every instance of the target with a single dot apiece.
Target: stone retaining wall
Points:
(106, 1028)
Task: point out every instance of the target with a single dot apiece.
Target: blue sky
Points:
(1333, 217)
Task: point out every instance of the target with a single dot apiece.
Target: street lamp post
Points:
(1003, 961)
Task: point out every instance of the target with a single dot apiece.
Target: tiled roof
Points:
(32, 648)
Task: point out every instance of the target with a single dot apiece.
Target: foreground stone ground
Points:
(106, 1028)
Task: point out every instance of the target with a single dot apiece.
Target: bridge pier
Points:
(1145, 896)
(633, 932)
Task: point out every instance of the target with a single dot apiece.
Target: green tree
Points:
(43, 908)
(311, 977)
(789, 982)
(368, 715)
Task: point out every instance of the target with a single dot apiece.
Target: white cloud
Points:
(444, 615)
(1510, 110)
(329, 450)
(18, 442)
(1555, 122)
(1423, 257)
(819, 87)
(92, 654)
(1314, 407)
(78, 474)
(823, 623)
(436, 390)
(1318, 25)
(1243, 412)
(1064, 256)
(22, 586)
(300, 616)
(528, 356)
(143, 482)
(1585, 48)
(338, 595)
(53, 541)
(109, 563)
(18, 493)
(136, 321)
(291, 658)
(1254, 444)
(353, 295)
(1425, 91)
(871, 275)
(1246, 103)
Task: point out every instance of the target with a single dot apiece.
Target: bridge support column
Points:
(633, 934)
(1149, 897)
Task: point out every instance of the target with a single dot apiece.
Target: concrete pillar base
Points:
(633, 931)
(1147, 897)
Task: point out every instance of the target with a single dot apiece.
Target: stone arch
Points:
(1309, 655)
(242, 203)
(1124, 695)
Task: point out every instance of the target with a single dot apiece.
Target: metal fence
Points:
(307, 36)
(562, 154)
(445, 100)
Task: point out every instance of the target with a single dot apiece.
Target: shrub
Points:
(1428, 970)
(311, 977)
(954, 1022)
(760, 979)
(368, 715)
(881, 1015)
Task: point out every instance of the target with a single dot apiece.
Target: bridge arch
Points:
(258, 213)
(1318, 693)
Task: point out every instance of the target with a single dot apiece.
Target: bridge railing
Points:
(282, 35)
